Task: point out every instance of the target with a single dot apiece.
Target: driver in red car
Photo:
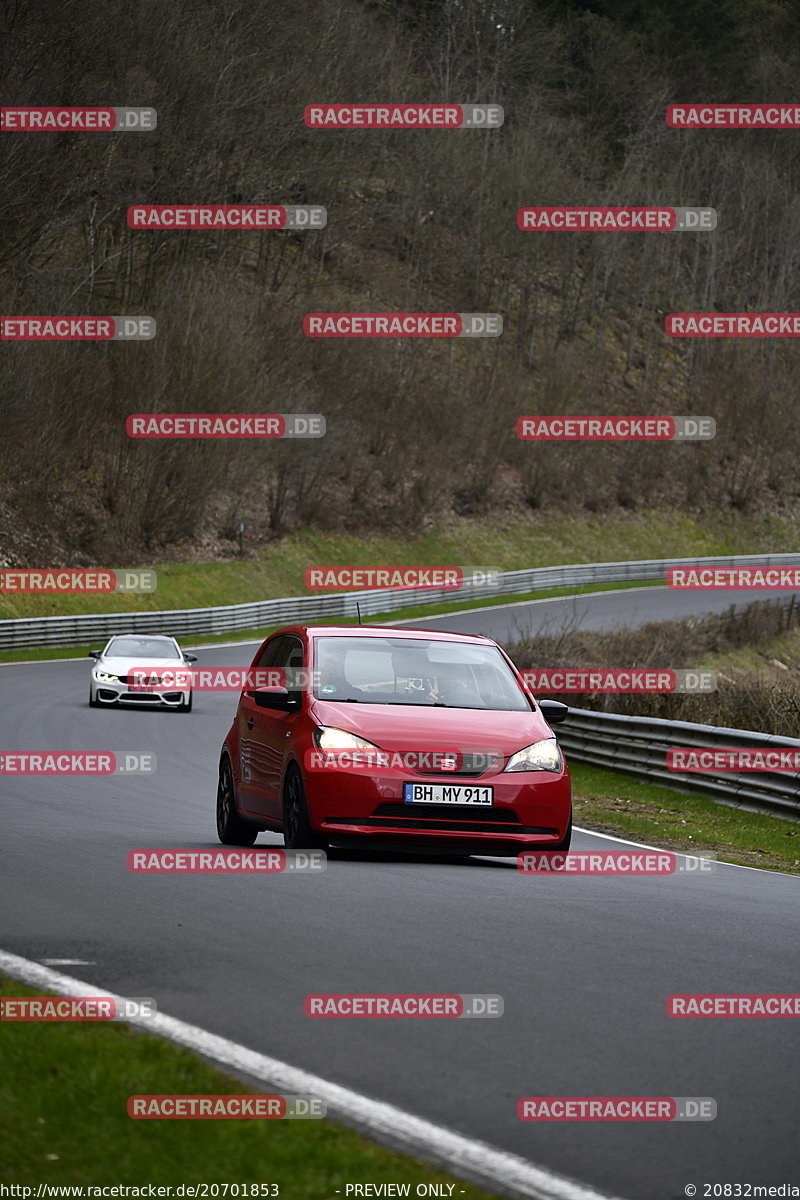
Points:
(334, 684)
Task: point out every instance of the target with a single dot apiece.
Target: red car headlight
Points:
(327, 737)
(540, 756)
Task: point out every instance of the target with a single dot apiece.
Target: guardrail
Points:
(638, 746)
(98, 627)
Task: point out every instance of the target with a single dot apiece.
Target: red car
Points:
(392, 738)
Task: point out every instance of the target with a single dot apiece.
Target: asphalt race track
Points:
(584, 964)
(628, 607)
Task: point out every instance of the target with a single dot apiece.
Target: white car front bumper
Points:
(117, 691)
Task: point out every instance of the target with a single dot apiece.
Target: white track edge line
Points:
(682, 853)
(415, 1134)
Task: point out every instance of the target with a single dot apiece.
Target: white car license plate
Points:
(446, 793)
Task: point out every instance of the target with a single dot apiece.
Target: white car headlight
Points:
(104, 677)
(329, 738)
(541, 756)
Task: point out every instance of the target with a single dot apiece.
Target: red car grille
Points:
(468, 764)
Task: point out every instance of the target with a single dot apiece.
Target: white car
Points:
(164, 663)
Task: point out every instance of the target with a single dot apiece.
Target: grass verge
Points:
(624, 806)
(63, 1094)
(277, 568)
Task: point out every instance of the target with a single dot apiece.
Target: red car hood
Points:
(403, 727)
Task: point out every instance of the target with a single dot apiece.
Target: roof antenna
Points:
(358, 610)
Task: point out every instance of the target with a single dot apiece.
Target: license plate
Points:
(445, 793)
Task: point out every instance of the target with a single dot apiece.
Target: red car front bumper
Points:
(529, 808)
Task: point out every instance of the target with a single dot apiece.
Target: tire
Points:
(231, 829)
(297, 831)
(187, 706)
(92, 702)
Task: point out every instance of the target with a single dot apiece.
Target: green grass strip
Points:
(610, 802)
(63, 1120)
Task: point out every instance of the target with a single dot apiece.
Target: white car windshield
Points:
(418, 671)
(140, 647)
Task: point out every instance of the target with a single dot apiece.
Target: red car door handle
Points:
(250, 722)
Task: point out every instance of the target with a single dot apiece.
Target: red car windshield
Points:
(418, 671)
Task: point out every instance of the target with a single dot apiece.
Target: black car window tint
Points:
(271, 653)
